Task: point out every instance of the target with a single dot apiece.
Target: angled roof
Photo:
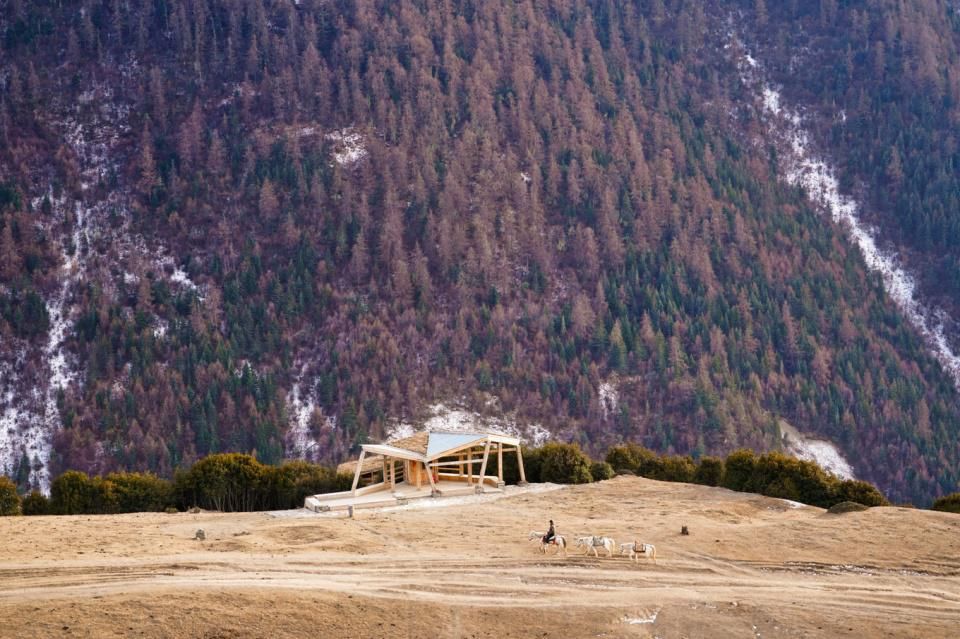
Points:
(442, 442)
(370, 464)
(393, 451)
(428, 445)
(423, 446)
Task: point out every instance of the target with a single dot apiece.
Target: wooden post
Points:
(523, 476)
(470, 466)
(393, 473)
(483, 466)
(419, 474)
(383, 475)
(460, 467)
(433, 486)
(500, 462)
(356, 474)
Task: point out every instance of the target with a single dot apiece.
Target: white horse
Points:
(634, 549)
(592, 543)
(558, 540)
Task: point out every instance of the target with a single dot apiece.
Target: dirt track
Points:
(752, 567)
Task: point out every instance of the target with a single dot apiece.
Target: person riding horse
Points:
(548, 538)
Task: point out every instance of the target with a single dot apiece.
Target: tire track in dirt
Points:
(470, 582)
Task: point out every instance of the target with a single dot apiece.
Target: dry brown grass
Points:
(753, 565)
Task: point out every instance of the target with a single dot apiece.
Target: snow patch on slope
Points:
(180, 277)
(820, 451)
(61, 365)
(300, 409)
(30, 414)
(301, 406)
(609, 398)
(12, 420)
(348, 146)
(91, 128)
(805, 169)
(456, 420)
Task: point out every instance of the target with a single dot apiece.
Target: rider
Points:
(550, 534)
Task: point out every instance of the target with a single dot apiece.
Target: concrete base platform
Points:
(370, 497)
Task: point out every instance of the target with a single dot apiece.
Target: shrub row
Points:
(568, 464)
(773, 474)
(948, 503)
(227, 482)
(234, 482)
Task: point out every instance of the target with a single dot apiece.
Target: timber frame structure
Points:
(428, 464)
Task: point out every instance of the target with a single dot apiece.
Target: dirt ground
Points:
(751, 567)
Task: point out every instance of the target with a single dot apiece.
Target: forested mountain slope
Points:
(216, 211)
(885, 78)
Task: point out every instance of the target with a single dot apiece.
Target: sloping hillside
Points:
(750, 566)
(289, 226)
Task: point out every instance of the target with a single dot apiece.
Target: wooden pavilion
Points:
(430, 463)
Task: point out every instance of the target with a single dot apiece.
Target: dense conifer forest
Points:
(503, 204)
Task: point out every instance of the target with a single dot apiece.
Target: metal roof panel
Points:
(442, 442)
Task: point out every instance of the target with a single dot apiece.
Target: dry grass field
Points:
(751, 567)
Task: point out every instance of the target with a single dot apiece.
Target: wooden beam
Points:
(470, 466)
(483, 467)
(523, 476)
(456, 463)
(391, 451)
(419, 474)
(393, 474)
(356, 473)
